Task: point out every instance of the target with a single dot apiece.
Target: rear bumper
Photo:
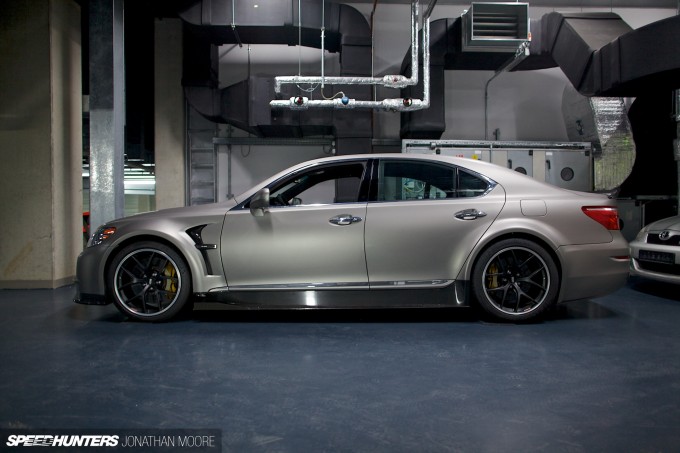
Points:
(593, 270)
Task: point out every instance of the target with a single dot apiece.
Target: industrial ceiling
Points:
(550, 3)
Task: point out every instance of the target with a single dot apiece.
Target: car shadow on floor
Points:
(583, 309)
(431, 315)
(653, 288)
(580, 309)
(216, 313)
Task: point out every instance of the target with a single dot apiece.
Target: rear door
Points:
(423, 220)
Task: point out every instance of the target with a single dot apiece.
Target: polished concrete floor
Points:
(596, 376)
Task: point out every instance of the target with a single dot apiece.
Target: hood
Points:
(671, 223)
(220, 208)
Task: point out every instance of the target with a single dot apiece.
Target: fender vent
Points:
(495, 27)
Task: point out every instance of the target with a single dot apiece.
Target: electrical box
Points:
(569, 169)
(495, 27)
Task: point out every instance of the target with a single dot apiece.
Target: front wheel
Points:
(149, 281)
(515, 280)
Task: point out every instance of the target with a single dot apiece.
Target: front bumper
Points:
(669, 273)
(89, 299)
(90, 270)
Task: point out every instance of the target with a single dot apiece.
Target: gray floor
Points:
(600, 375)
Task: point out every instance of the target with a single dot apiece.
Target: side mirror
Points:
(259, 204)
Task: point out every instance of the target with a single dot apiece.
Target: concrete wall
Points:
(169, 115)
(40, 143)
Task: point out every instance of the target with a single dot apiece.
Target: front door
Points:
(312, 236)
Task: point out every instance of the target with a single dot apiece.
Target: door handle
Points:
(344, 219)
(469, 214)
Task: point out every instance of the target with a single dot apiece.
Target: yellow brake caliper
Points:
(492, 280)
(170, 286)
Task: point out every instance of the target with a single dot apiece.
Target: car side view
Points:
(365, 231)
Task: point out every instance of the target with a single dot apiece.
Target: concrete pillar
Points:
(107, 111)
(169, 115)
(40, 143)
(676, 142)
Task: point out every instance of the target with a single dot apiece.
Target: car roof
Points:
(506, 177)
(472, 164)
(501, 175)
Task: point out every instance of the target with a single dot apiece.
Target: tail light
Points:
(607, 216)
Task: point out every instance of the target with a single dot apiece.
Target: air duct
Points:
(245, 104)
(603, 121)
(599, 53)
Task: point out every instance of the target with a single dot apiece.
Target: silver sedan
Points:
(655, 251)
(365, 231)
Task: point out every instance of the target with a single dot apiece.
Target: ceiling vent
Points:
(495, 27)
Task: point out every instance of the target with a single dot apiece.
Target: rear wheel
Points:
(516, 280)
(149, 281)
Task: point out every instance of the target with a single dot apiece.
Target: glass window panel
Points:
(320, 185)
(412, 180)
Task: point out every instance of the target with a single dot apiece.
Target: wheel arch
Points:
(490, 241)
(143, 238)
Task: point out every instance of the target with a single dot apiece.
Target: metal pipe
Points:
(520, 55)
(323, 39)
(372, 22)
(486, 104)
(396, 104)
(233, 23)
(430, 7)
(390, 81)
(299, 38)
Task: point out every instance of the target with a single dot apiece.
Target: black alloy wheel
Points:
(515, 280)
(149, 281)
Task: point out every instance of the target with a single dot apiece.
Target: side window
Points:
(470, 185)
(329, 184)
(413, 180)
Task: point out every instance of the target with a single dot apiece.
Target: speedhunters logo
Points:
(46, 440)
(133, 440)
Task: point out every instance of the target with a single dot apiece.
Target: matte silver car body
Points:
(655, 252)
(366, 253)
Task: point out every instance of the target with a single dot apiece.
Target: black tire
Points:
(515, 280)
(150, 281)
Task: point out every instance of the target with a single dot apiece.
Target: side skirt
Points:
(453, 295)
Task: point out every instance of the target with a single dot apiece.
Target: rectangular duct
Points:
(495, 27)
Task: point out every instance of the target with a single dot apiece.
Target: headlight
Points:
(102, 234)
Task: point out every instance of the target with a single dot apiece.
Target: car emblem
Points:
(664, 235)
